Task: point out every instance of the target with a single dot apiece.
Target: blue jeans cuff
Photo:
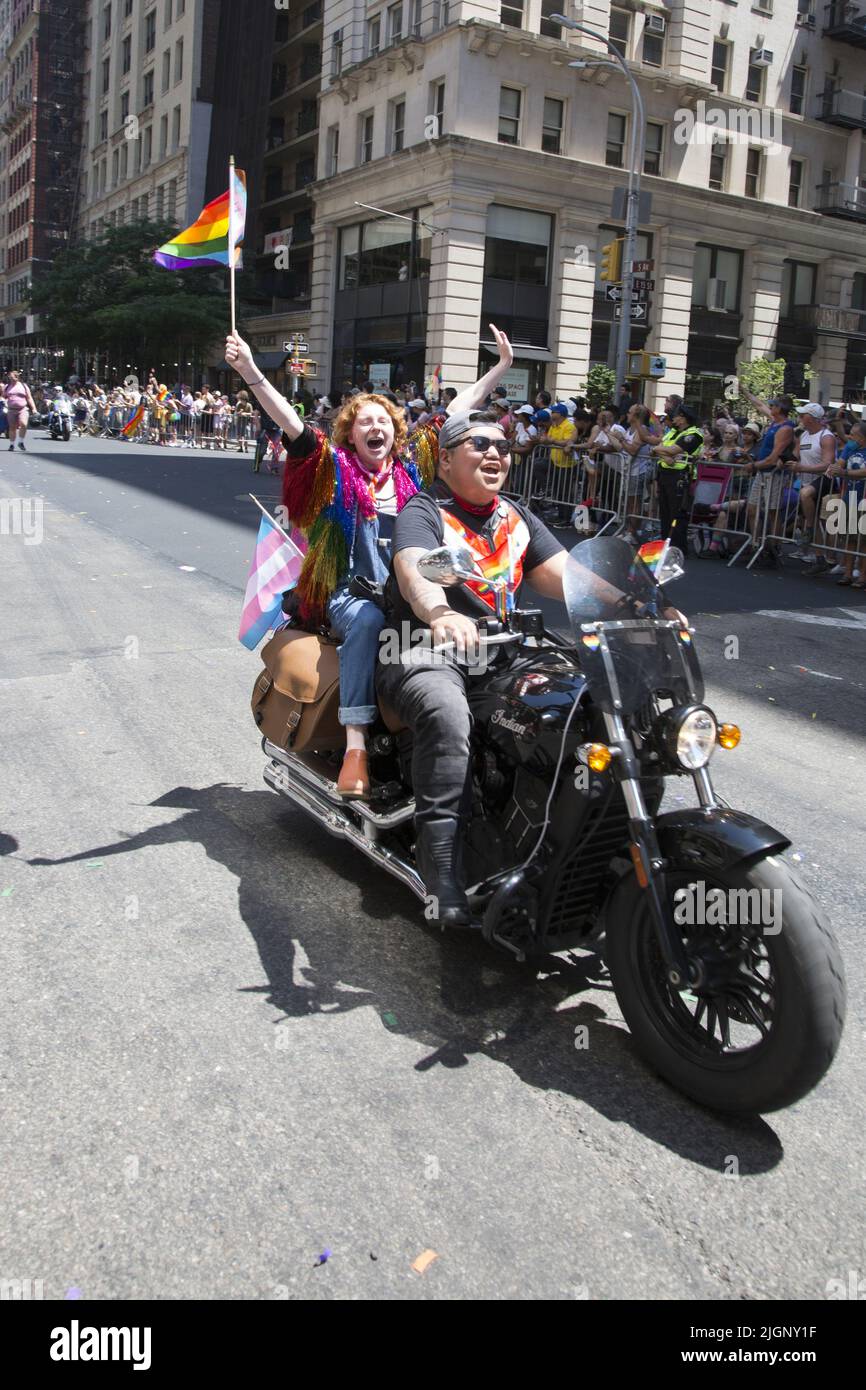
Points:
(358, 714)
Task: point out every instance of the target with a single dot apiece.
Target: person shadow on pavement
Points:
(450, 992)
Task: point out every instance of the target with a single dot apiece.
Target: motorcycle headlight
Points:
(691, 736)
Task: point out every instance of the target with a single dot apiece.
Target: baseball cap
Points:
(417, 404)
(559, 408)
(458, 426)
(524, 410)
(542, 416)
(816, 411)
(752, 428)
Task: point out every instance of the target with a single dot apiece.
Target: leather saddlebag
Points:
(297, 697)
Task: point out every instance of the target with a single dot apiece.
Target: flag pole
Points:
(232, 241)
(271, 519)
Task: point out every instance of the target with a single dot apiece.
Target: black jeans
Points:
(431, 700)
(673, 486)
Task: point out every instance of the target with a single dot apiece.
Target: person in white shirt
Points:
(815, 453)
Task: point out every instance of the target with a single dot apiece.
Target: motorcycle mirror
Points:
(672, 567)
(447, 566)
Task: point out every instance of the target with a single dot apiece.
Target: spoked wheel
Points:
(762, 1025)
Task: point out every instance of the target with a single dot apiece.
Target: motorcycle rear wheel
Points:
(766, 1027)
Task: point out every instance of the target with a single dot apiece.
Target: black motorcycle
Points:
(723, 964)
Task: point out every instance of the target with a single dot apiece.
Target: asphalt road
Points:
(230, 1044)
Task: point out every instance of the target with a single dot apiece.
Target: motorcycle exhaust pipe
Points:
(315, 782)
(339, 824)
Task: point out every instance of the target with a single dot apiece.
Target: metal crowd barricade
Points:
(834, 529)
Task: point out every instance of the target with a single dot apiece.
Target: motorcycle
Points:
(60, 418)
(724, 966)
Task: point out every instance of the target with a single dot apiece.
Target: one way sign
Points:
(638, 312)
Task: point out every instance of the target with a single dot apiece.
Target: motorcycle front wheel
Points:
(764, 1026)
(66, 431)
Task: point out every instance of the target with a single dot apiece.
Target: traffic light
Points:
(611, 261)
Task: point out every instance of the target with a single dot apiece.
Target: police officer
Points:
(676, 454)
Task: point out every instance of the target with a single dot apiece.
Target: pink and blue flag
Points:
(275, 567)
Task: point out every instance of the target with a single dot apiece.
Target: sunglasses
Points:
(481, 443)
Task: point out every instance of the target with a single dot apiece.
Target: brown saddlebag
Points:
(296, 698)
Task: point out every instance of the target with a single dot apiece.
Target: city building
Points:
(466, 119)
(40, 138)
(281, 234)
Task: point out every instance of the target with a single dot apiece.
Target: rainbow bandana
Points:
(501, 557)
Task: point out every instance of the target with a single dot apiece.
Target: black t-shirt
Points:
(420, 526)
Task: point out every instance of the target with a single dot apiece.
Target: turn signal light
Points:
(598, 757)
(729, 735)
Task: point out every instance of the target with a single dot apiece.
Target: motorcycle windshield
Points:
(604, 580)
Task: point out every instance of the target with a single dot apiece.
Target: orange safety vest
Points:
(493, 555)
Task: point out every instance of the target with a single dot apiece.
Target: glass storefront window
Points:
(386, 250)
(517, 246)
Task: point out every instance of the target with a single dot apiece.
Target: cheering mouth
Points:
(375, 441)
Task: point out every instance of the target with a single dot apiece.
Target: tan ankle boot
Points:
(354, 780)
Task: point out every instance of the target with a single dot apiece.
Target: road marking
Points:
(808, 672)
(857, 620)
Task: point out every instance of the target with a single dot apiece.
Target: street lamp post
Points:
(636, 145)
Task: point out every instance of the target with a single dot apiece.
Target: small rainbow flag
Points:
(653, 554)
(132, 425)
(219, 227)
(162, 393)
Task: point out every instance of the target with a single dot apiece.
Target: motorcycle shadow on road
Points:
(451, 993)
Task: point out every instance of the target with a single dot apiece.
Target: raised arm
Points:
(238, 354)
(429, 603)
(473, 396)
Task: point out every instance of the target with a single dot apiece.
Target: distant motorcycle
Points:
(60, 418)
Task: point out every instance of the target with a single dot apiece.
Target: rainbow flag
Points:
(132, 425)
(653, 554)
(219, 227)
(275, 567)
(161, 394)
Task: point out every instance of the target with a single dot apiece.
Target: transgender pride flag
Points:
(275, 567)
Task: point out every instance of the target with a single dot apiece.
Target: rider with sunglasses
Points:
(462, 507)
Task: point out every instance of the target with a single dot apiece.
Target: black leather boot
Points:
(438, 853)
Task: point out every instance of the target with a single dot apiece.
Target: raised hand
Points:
(506, 353)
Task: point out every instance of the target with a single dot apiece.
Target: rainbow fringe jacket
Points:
(320, 497)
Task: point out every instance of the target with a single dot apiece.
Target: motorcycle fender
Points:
(715, 839)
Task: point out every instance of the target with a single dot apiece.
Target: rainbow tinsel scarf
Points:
(325, 491)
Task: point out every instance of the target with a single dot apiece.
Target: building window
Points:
(163, 137)
(150, 32)
(614, 150)
(126, 54)
(166, 70)
(716, 278)
(106, 75)
(653, 46)
(337, 53)
(398, 125)
(754, 165)
(620, 21)
(374, 35)
(551, 131)
(652, 154)
(178, 61)
(148, 147)
(443, 13)
(549, 28)
(795, 183)
(160, 203)
(798, 90)
(719, 68)
(798, 286)
(172, 187)
(103, 125)
(124, 106)
(365, 130)
(509, 116)
(395, 23)
(333, 164)
(115, 168)
(416, 18)
(106, 24)
(167, 21)
(512, 14)
(755, 83)
(437, 107)
(127, 8)
(148, 88)
(517, 245)
(124, 160)
(175, 128)
(718, 164)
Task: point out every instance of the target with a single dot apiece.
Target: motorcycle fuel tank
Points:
(523, 709)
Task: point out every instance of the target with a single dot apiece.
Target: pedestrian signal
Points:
(611, 261)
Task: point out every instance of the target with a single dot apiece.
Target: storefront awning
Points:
(269, 361)
(524, 353)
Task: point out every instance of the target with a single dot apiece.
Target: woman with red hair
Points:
(344, 493)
